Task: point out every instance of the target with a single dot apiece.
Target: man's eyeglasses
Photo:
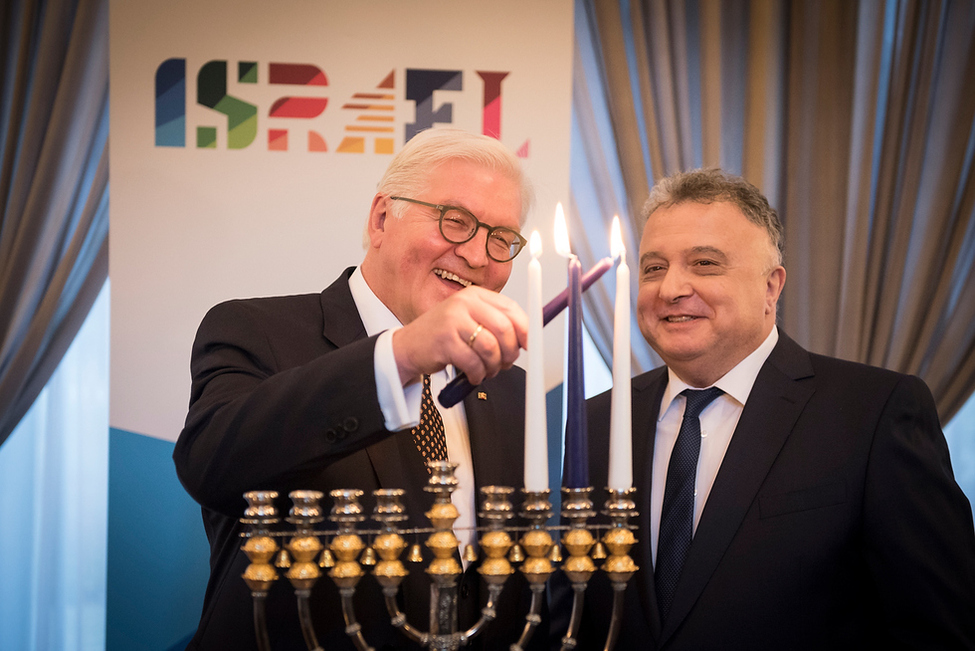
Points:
(458, 225)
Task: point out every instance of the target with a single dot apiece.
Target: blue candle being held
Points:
(576, 437)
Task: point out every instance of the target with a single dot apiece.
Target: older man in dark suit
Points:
(324, 391)
(787, 500)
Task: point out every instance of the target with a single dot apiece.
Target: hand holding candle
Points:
(458, 388)
(620, 420)
(536, 430)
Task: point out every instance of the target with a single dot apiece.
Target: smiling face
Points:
(411, 267)
(709, 283)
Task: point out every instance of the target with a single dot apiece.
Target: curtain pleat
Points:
(621, 105)
(53, 188)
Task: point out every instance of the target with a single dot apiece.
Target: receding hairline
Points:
(714, 185)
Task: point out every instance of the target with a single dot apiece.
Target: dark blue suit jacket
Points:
(834, 521)
(284, 398)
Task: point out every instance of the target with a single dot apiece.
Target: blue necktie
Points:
(677, 514)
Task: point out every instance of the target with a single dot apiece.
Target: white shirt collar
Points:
(375, 316)
(736, 383)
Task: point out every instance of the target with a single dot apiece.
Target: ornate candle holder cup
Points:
(346, 547)
(537, 567)
(260, 548)
(578, 540)
(304, 547)
(618, 566)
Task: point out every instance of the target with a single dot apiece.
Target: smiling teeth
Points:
(679, 319)
(446, 275)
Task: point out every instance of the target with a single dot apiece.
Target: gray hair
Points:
(409, 171)
(712, 185)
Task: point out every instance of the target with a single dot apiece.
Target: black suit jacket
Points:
(284, 398)
(834, 521)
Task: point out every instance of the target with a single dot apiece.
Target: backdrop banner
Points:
(248, 138)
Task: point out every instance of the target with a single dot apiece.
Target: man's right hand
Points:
(443, 335)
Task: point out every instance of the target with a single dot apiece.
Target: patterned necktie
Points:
(677, 514)
(429, 434)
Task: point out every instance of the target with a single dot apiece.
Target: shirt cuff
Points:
(401, 406)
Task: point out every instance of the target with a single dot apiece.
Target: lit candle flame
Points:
(561, 233)
(616, 239)
(535, 244)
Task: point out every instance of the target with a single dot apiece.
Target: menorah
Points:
(532, 546)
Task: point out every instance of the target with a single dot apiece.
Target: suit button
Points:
(350, 424)
(465, 590)
(330, 435)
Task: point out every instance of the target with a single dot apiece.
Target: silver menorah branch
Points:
(304, 556)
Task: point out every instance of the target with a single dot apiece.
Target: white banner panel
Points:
(248, 137)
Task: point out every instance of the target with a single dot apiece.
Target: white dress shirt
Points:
(401, 405)
(718, 423)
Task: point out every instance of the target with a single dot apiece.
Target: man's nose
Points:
(474, 250)
(676, 284)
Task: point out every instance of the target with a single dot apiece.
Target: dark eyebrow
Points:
(646, 257)
(697, 250)
(710, 250)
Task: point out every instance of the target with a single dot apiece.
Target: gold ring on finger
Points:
(477, 331)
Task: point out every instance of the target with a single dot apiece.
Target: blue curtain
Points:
(53, 187)
(54, 482)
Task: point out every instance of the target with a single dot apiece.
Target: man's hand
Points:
(446, 335)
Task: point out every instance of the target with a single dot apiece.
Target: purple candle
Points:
(576, 436)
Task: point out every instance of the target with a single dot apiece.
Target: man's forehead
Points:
(495, 208)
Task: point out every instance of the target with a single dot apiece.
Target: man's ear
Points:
(376, 226)
(773, 288)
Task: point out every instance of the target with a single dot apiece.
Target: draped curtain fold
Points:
(856, 119)
(53, 187)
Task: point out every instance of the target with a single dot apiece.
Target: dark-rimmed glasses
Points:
(458, 225)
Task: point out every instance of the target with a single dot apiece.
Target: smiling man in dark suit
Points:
(787, 500)
(322, 391)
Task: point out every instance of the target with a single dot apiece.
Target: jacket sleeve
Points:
(266, 410)
(919, 544)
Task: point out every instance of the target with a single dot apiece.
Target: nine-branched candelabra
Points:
(304, 555)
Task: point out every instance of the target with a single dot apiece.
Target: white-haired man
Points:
(324, 391)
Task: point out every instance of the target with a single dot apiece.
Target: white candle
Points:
(620, 420)
(536, 431)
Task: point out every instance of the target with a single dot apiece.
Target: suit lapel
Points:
(773, 406)
(340, 317)
(395, 459)
(496, 452)
(647, 392)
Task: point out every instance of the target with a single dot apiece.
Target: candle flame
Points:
(616, 239)
(561, 233)
(535, 244)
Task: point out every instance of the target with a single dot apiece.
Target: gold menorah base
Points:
(304, 556)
